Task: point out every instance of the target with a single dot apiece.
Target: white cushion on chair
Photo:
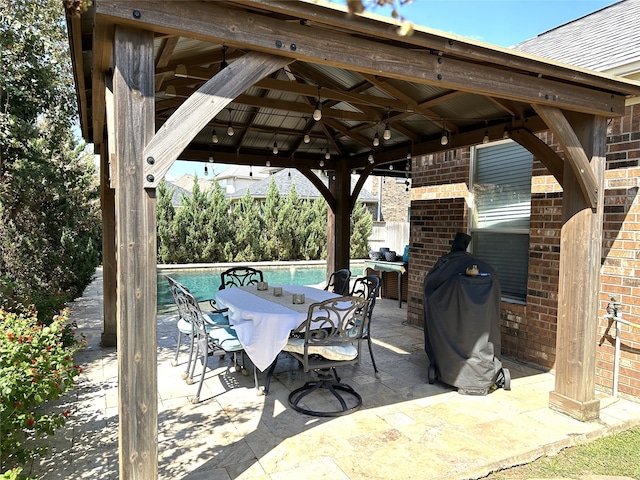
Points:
(184, 326)
(216, 318)
(338, 352)
(213, 320)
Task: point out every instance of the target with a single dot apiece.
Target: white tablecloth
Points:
(263, 322)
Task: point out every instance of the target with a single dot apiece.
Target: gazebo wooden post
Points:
(133, 85)
(580, 259)
(341, 238)
(109, 267)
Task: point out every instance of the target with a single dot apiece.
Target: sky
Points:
(500, 22)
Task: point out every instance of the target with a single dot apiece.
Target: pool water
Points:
(205, 282)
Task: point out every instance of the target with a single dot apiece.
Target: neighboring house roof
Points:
(607, 40)
(178, 193)
(242, 171)
(286, 177)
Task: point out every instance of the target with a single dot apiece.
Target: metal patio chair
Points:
(240, 277)
(330, 337)
(339, 281)
(185, 327)
(368, 287)
(209, 339)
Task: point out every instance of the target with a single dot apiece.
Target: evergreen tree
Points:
(249, 225)
(165, 214)
(287, 227)
(49, 208)
(270, 213)
(191, 226)
(313, 229)
(361, 229)
(220, 236)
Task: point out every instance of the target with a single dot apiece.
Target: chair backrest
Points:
(240, 277)
(334, 322)
(193, 311)
(367, 287)
(177, 290)
(339, 281)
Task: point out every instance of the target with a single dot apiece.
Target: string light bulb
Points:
(214, 136)
(268, 163)
(370, 158)
(505, 133)
(206, 171)
(230, 130)
(387, 132)
(376, 140)
(327, 155)
(485, 139)
(321, 163)
(317, 113)
(307, 138)
(391, 166)
(275, 148)
(444, 140)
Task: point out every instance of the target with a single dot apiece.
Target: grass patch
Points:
(616, 455)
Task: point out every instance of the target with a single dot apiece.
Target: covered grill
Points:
(462, 322)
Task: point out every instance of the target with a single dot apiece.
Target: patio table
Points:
(263, 321)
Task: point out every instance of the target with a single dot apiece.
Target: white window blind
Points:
(502, 209)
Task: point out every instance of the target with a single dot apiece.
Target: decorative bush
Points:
(36, 367)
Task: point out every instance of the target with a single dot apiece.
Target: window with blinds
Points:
(501, 185)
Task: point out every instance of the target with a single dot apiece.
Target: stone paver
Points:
(407, 428)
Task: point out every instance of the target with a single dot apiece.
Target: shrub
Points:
(36, 367)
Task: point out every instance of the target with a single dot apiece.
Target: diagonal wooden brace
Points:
(203, 105)
(573, 149)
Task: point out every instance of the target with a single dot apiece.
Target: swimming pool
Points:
(204, 282)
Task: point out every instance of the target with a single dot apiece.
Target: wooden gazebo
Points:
(158, 81)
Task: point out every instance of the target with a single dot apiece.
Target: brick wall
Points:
(439, 209)
(396, 199)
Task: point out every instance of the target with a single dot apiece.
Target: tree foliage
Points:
(208, 228)
(49, 210)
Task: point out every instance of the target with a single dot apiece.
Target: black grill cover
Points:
(462, 321)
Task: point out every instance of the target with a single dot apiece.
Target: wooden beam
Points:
(579, 280)
(541, 150)
(136, 240)
(341, 189)
(215, 22)
(312, 12)
(168, 46)
(109, 255)
(102, 52)
(200, 108)
(573, 149)
(283, 105)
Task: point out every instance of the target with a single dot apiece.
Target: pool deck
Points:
(407, 428)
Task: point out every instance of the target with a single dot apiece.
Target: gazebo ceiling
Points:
(364, 77)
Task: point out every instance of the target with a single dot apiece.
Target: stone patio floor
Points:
(407, 428)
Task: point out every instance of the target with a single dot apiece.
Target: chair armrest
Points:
(215, 307)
